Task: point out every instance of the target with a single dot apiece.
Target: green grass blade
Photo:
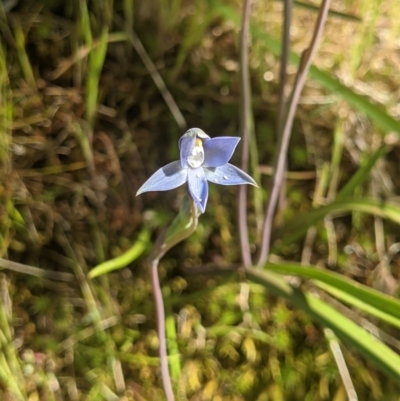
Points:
(297, 228)
(352, 300)
(194, 35)
(6, 112)
(334, 168)
(8, 380)
(362, 173)
(375, 112)
(85, 23)
(96, 61)
(25, 63)
(125, 259)
(129, 14)
(174, 357)
(368, 346)
(361, 296)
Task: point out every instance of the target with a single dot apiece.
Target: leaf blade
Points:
(125, 259)
(368, 346)
(368, 299)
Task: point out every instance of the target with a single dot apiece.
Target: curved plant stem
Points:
(280, 162)
(287, 21)
(158, 299)
(160, 248)
(245, 115)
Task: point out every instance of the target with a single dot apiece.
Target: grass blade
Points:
(368, 346)
(96, 61)
(362, 173)
(299, 227)
(350, 299)
(361, 296)
(125, 259)
(375, 112)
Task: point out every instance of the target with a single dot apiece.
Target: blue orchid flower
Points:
(202, 159)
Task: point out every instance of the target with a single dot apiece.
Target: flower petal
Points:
(186, 145)
(218, 151)
(168, 177)
(198, 187)
(228, 175)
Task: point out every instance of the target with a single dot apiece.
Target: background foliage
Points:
(94, 95)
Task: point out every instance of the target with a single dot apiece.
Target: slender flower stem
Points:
(162, 246)
(283, 144)
(158, 299)
(245, 115)
(287, 22)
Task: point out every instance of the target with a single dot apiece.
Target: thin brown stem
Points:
(283, 144)
(245, 115)
(35, 271)
(160, 248)
(287, 21)
(159, 302)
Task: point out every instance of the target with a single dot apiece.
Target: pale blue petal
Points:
(228, 175)
(198, 187)
(186, 145)
(168, 177)
(218, 151)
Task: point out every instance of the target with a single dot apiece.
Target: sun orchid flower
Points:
(202, 159)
